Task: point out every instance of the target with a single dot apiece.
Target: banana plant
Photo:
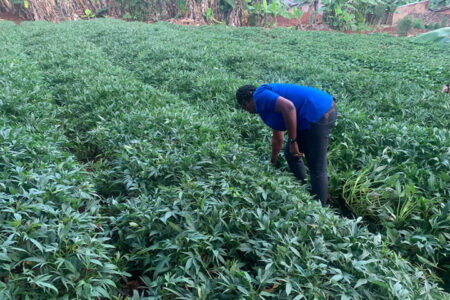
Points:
(25, 3)
(348, 15)
(339, 14)
(209, 15)
(298, 15)
(260, 10)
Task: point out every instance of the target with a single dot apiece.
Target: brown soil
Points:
(186, 21)
(314, 27)
(392, 30)
(11, 17)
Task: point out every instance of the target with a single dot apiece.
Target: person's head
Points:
(244, 96)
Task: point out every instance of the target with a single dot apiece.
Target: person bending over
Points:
(307, 114)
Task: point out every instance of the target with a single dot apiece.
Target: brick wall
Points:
(413, 8)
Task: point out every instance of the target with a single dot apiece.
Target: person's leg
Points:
(317, 161)
(318, 135)
(296, 165)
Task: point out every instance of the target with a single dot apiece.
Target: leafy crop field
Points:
(127, 169)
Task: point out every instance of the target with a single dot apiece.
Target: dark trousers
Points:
(313, 142)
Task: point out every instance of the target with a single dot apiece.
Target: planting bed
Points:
(127, 169)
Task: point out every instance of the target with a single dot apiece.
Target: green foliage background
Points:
(124, 157)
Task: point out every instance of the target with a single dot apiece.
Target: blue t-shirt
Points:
(311, 104)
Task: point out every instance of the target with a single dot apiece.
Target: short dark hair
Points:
(245, 93)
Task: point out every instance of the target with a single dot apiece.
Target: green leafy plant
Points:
(113, 178)
(127, 16)
(210, 16)
(418, 24)
(340, 14)
(404, 26)
(380, 12)
(432, 26)
(443, 22)
(88, 14)
(137, 9)
(435, 4)
(298, 15)
(25, 3)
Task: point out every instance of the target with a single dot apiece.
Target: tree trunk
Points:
(204, 5)
(194, 12)
(6, 5)
(58, 10)
(61, 10)
(387, 20)
(238, 16)
(171, 8)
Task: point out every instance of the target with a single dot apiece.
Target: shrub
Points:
(380, 12)
(432, 26)
(418, 24)
(127, 16)
(404, 25)
(443, 22)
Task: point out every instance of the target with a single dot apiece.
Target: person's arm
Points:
(277, 144)
(289, 112)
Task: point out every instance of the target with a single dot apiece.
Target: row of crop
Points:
(398, 181)
(192, 212)
(50, 244)
(394, 73)
(398, 146)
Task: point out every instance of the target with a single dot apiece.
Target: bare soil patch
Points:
(11, 17)
(185, 22)
(392, 30)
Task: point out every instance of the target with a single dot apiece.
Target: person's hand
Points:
(295, 152)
